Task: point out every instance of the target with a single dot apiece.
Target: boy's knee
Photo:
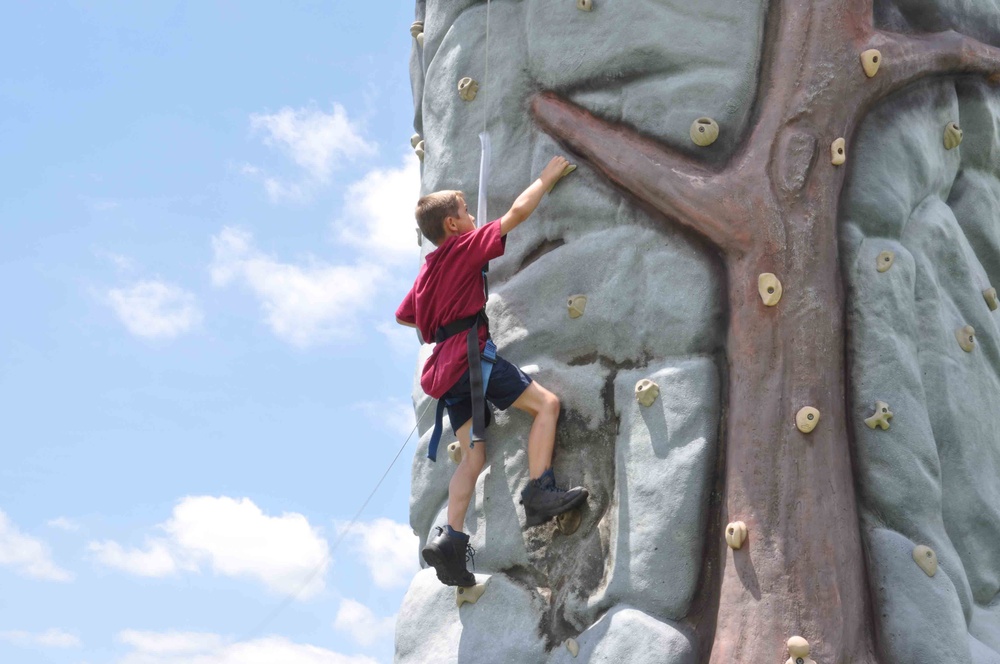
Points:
(551, 402)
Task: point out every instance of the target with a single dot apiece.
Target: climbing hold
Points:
(455, 452)
(420, 238)
(870, 61)
(736, 534)
(646, 392)
(573, 647)
(926, 559)
(566, 171)
(881, 417)
(418, 149)
(467, 88)
(798, 648)
(704, 131)
(806, 419)
(416, 28)
(414, 140)
(884, 260)
(577, 305)
(952, 135)
(838, 152)
(585, 6)
(966, 338)
(568, 522)
(470, 594)
(769, 288)
(990, 294)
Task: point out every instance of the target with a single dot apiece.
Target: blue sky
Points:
(205, 227)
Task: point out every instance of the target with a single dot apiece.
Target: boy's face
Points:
(465, 222)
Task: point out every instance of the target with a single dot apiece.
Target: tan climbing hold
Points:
(569, 522)
(952, 136)
(414, 140)
(566, 171)
(926, 559)
(806, 419)
(470, 594)
(885, 260)
(585, 6)
(798, 648)
(769, 288)
(736, 534)
(881, 416)
(573, 647)
(646, 392)
(704, 131)
(990, 295)
(467, 88)
(838, 152)
(870, 61)
(418, 150)
(966, 338)
(455, 452)
(577, 304)
(416, 28)
(420, 40)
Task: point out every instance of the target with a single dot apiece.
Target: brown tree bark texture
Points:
(773, 208)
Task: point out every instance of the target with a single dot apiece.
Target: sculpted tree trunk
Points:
(773, 209)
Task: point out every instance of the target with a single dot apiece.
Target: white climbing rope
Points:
(484, 137)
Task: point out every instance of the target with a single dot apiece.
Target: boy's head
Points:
(443, 214)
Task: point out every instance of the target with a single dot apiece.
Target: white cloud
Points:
(62, 523)
(378, 210)
(315, 141)
(27, 555)
(154, 309)
(234, 538)
(50, 638)
(364, 626)
(387, 548)
(204, 648)
(395, 415)
(303, 305)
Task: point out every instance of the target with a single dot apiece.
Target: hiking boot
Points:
(542, 499)
(447, 554)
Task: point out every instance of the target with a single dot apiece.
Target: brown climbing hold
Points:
(966, 338)
(569, 522)
(736, 534)
(926, 559)
(467, 88)
(952, 135)
(585, 5)
(455, 452)
(704, 131)
(769, 288)
(885, 260)
(646, 392)
(870, 61)
(990, 295)
(806, 419)
(577, 304)
(798, 648)
(881, 416)
(573, 647)
(470, 594)
(838, 152)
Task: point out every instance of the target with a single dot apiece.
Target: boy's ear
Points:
(450, 224)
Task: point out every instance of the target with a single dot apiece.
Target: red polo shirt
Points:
(449, 287)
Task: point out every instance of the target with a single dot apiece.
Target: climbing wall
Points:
(597, 298)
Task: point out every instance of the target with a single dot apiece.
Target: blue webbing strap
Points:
(486, 362)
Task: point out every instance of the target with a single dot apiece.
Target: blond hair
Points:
(433, 209)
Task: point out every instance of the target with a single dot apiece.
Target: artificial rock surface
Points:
(630, 583)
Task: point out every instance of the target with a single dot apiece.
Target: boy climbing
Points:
(447, 304)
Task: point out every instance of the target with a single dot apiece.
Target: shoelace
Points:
(470, 555)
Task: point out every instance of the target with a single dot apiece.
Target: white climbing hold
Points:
(736, 534)
(414, 140)
(577, 304)
(569, 522)
(885, 260)
(798, 648)
(573, 647)
(870, 61)
(966, 338)
(470, 594)
(416, 28)
(455, 452)
(881, 416)
(646, 392)
(838, 152)
(467, 88)
(990, 295)
(418, 150)
(704, 131)
(806, 419)
(952, 135)
(769, 288)
(926, 559)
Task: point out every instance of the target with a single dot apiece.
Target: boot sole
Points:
(436, 560)
(535, 519)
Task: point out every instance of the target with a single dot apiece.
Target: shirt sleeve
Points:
(407, 311)
(483, 244)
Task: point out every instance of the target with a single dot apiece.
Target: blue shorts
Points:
(507, 383)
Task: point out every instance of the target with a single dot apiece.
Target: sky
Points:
(205, 228)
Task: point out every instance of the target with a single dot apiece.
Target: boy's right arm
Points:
(532, 196)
